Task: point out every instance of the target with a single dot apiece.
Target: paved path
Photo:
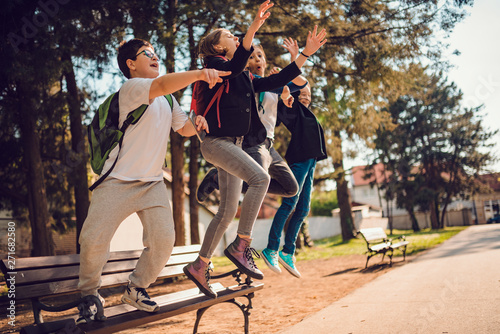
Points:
(452, 289)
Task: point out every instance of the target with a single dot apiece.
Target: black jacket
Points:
(237, 115)
(308, 139)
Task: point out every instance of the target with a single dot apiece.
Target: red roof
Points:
(359, 174)
(492, 180)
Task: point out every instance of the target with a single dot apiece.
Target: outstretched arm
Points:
(172, 82)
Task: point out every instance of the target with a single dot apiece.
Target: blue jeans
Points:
(234, 166)
(304, 173)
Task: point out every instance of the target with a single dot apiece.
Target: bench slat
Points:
(36, 276)
(373, 234)
(379, 247)
(400, 244)
(192, 300)
(70, 286)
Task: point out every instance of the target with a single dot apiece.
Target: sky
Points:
(476, 70)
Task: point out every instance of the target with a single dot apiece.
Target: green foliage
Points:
(322, 203)
(436, 148)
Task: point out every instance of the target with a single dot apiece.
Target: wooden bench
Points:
(378, 243)
(39, 278)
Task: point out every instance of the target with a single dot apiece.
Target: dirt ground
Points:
(284, 301)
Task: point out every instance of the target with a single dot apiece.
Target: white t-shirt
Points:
(144, 146)
(269, 112)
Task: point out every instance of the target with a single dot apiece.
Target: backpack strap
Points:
(224, 88)
(132, 118)
(129, 120)
(170, 100)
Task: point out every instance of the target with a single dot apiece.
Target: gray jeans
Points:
(234, 166)
(283, 181)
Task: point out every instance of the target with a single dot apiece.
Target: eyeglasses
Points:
(148, 54)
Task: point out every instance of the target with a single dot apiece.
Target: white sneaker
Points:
(139, 298)
(93, 309)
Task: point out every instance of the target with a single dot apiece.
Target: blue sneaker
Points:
(271, 259)
(288, 261)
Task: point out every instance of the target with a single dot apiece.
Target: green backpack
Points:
(104, 134)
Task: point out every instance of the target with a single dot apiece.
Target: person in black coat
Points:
(230, 109)
(306, 147)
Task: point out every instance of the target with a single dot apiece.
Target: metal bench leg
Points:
(35, 303)
(390, 257)
(367, 259)
(244, 308)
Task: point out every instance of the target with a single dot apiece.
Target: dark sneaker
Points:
(139, 298)
(288, 261)
(209, 183)
(240, 253)
(271, 259)
(199, 272)
(90, 312)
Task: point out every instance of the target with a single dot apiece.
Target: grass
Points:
(335, 246)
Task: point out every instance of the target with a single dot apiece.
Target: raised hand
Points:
(261, 16)
(315, 40)
(212, 76)
(287, 97)
(275, 70)
(292, 46)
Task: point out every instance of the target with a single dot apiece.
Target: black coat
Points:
(237, 115)
(308, 139)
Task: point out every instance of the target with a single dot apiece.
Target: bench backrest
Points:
(374, 234)
(52, 275)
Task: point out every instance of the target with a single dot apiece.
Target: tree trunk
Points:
(177, 151)
(434, 216)
(176, 140)
(389, 213)
(77, 157)
(40, 219)
(442, 216)
(346, 219)
(414, 222)
(194, 153)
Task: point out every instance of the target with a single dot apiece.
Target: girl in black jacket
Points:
(306, 147)
(231, 112)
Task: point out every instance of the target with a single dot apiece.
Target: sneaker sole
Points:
(200, 195)
(276, 269)
(242, 267)
(139, 307)
(206, 292)
(292, 271)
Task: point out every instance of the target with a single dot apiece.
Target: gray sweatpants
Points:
(112, 202)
